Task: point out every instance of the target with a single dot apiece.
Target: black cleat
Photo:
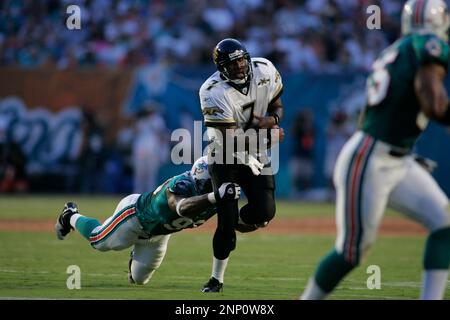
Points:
(130, 276)
(62, 226)
(244, 228)
(213, 285)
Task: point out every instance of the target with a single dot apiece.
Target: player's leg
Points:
(119, 231)
(257, 213)
(63, 225)
(260, 193)
(428, 206)
(227, 212)
(146, 257)
(224, 240)
(362, 190)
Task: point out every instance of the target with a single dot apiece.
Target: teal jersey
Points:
(392, 113)
(155, 215)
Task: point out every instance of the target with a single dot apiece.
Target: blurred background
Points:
(91, 110)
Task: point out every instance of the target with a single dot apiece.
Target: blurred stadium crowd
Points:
(310, 35)
(323, 41)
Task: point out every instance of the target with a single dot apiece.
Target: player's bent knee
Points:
(101, 247)
(268, 212)
(142, 273)
(142, 278)
(265, 214)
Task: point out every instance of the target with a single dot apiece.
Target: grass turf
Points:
(264, 266)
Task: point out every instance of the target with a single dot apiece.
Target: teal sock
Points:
(437, 250)
(331, 270)
(85, 225)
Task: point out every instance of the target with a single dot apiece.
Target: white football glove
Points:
(250, 161)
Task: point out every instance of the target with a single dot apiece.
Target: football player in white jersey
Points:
(244, 93)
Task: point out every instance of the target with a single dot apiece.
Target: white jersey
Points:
(222, 104)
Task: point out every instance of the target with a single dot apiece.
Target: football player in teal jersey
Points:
(376, 168)
(146, 221)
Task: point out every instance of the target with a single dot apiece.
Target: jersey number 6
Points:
(378, 81)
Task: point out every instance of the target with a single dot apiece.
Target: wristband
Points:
(276, 117)
(212, 198)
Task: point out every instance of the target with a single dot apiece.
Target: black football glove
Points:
(228, 191)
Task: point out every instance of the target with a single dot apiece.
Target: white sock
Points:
(434, 283)
(312, 291)
(74, 218)
(218, 268)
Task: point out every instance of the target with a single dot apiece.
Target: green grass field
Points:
(263, 267)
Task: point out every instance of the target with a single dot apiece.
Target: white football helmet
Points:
(201, 175)
(426, 16)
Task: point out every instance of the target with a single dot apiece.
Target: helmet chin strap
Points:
(238, 82)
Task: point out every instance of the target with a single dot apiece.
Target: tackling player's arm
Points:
(187, 207)
(431, 93)
(190, 207)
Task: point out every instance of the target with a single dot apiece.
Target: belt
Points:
(387, 148)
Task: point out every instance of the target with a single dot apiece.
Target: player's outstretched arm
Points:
(187, 207)
(192, 206)
(432, 94)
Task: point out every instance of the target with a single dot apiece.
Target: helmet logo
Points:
(236, 54)
(201, 167)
